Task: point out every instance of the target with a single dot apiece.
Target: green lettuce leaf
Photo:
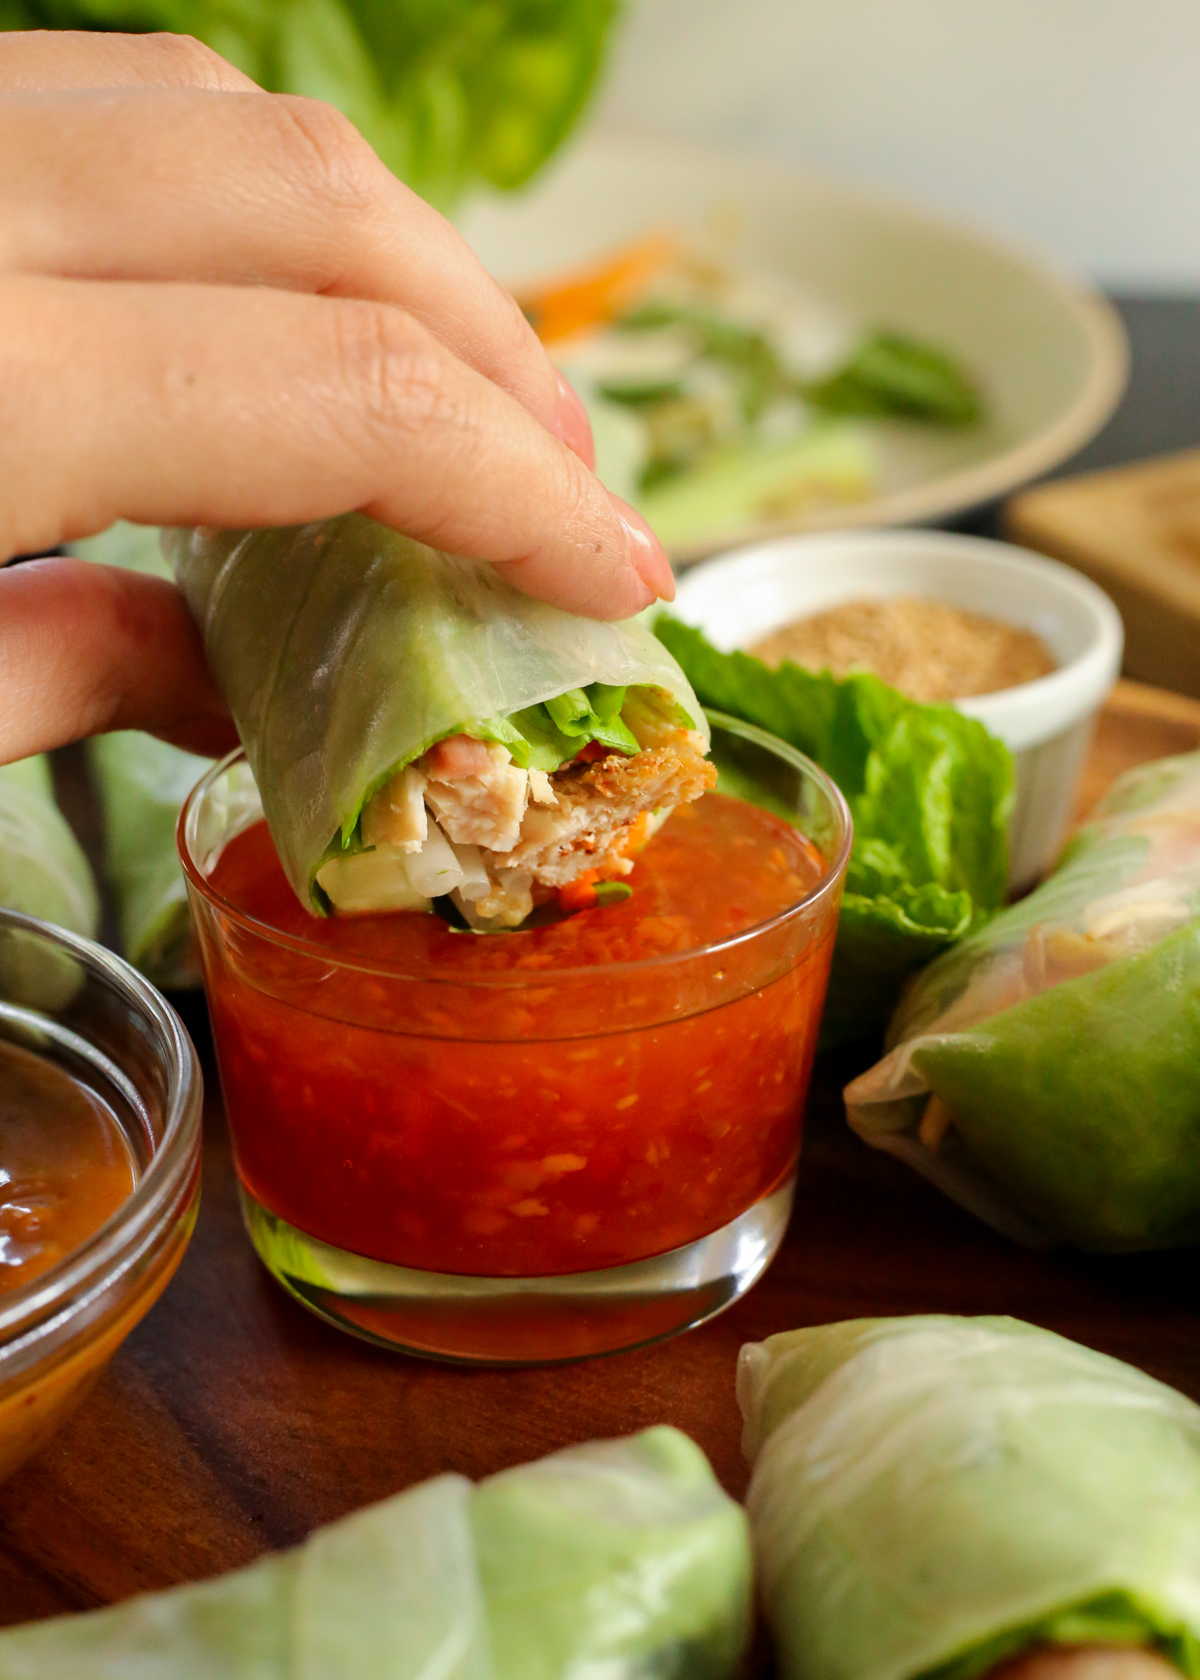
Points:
(448, 92)
(930, 792)
(559, 728)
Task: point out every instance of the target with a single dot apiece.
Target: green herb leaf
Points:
(747, 353)
(612, 892)
(644, 394)
(891, 374)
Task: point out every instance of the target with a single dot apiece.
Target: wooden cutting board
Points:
(1136, 532)
(1138, 723)
(232, 1421)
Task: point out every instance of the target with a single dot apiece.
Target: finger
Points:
(87, 648)
(235, 406)
(255, 190)
(39, 60)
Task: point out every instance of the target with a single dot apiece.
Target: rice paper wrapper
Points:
(345, 650)
(932, 1495)
(620, 1559)
(135, 548)
(1059, 1043)
(142, 785)
(390, 1593)
(44, 873)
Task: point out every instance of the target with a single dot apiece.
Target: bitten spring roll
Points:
(940, 1497)
(419, 729)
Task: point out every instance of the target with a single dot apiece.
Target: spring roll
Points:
(950, 1497)
(142, 784)
(44, 873)
(418, 728)
(621, 1559)
(1043, 1071)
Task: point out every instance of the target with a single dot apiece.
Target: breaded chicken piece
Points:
(529, 832)
(597, 806)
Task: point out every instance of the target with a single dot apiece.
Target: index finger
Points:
(50, 60)
(303, 202)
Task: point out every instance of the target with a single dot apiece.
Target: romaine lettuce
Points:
(930, 792)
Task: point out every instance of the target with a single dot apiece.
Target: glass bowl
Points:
(520, 1165)
(92, 1016)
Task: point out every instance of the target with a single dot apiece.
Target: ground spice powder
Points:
(926, 649)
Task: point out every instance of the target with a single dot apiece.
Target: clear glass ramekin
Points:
(93, 1016)
(493, 1168)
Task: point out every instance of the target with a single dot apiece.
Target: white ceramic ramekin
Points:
(1047, 724)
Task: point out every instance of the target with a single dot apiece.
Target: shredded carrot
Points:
(591, 296)
(580, 894)
(638, 834)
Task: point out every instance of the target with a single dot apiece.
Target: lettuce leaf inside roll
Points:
(418, 728)
(932, 1496)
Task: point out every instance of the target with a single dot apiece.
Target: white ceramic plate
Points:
(1050, 353)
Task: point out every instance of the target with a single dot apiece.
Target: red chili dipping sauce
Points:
(559, 1099)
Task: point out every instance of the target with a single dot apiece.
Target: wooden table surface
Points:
(233, 1421)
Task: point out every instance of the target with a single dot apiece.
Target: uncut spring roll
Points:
(621, 1559)
(44, 873)
(418, 728)
(142, 783)
(952, 1497)
(1043, 1073)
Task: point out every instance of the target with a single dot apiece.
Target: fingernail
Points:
(646, 552)
(574, 427)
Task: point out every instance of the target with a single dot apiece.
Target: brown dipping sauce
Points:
(931, 652)
(65, 1165)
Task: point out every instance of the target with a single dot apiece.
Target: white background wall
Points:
(1074, 123)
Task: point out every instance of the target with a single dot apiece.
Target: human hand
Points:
(222, 309)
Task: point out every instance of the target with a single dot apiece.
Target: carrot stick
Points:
(588, 297)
